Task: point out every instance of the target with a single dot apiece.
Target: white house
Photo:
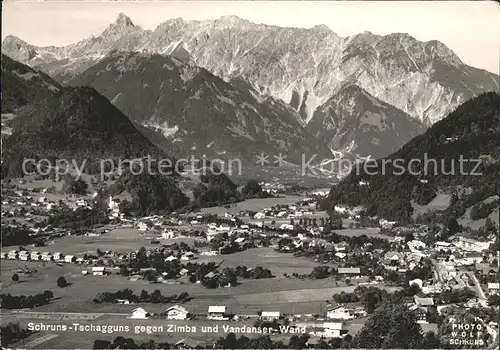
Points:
(69, 258)
(98, 271)
(340, 312)
(444, 246)
(139, 313)
(416, 245)
(340, 255)
(270, 315)
(57, 256)
(239, 240)
(170, 234)
(469, 244)
(51, 206)
(112, 205)
(416, 281)
(35, 256)
(24, 256)
(259, 216)
(47, 256)
(493, 288)
(176, 312)
(332, 329)
(217, 313)
(223, 228)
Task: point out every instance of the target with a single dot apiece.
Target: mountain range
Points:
(193, 109)
(302, 67)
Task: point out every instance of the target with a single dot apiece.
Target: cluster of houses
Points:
(326, 329)
(26, 255)
(41, 203)
(304, 208)
(272, 187)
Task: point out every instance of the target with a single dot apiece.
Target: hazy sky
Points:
(471, 29)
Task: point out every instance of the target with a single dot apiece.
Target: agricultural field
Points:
(117, 240)
(254, 204)
(249, 296)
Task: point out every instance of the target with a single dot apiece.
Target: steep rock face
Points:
(354, 123)
(196, 111)
(300, 66)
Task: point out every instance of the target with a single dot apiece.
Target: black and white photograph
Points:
(250, 174)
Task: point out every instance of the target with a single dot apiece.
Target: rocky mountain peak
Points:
(302, 67)
(13, 40)
(122, 25)
(231, 18)
(123, 20)
(440, 50)
(20, 48)
(321, 28)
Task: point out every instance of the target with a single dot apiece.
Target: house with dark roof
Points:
(188, 343)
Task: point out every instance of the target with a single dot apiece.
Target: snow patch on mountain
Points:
(226, 100)
(115, 99)
(163, 128)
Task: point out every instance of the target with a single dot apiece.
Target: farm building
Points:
(340, 312)
(188, 343)
(270, 316)
(333, 329)
(349, 271)
(217, 313)
(69, 258)
(346, 312)
(139, 313)
(176, 312)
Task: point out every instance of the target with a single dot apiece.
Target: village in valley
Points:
(277, 266)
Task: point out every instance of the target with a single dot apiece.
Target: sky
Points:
(470, 28)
